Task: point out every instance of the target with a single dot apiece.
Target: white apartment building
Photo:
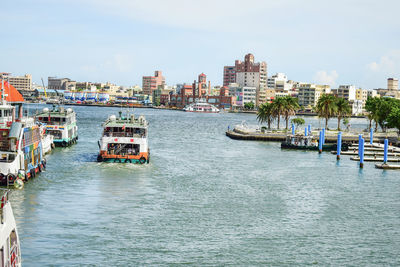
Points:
(280, 82)
(249, 94)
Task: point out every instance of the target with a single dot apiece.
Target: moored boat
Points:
(61, 124)
(302, 142)
(21, 147)
(202, 107)
(9, 240)
(125, 139)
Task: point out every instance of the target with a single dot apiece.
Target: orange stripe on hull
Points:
(111, 156)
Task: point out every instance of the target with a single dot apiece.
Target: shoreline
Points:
(311, 114)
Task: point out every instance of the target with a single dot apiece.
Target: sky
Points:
(328, 42)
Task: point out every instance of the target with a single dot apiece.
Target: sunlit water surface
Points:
(205, 199)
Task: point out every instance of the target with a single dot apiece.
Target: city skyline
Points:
(124, 40)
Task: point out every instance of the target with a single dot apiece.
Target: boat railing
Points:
(123, 134)
(4, 200)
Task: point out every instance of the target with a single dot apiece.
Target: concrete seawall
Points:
(330, 138)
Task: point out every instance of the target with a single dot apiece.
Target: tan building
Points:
(310, 93)
(362, 94)
(21, 83)
(393, 84)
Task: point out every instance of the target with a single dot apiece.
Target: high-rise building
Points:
(151, 83)
(247, 73)
(393, 84)
(229, 75)
(21, 83)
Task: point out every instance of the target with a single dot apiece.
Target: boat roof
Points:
(13, 96)
(56, 113)
(121, 122)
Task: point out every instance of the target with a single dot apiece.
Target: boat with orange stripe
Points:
(124, 140)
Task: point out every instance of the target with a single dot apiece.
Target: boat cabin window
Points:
(6, 113)
(53, 120)
(124, 132)
(56, 133)
(123, 149)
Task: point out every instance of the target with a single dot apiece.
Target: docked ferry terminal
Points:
(125, 139)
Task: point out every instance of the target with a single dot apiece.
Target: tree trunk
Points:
(370, 125)
(326, 123)
(279, 119)
(287, 121)
(338, 123)
(376, 126)
(269, 123)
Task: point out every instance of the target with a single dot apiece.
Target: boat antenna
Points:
(2, 91)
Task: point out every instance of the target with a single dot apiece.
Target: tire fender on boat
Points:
(142, 160)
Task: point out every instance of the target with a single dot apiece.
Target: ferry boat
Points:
(9, 240)
(21, 147)
(124, 140)
(61, 124)
(201, 106)
(302, 142)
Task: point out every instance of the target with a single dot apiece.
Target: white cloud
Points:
(388, 64)
(323, 77)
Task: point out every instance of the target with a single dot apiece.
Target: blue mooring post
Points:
(339, 145)
(362, 153)
(385, 151)
(309, 129)
(323, 136)
(359, 144)
(371, 136)
(293, 129)
(320, 142)
(305, 131)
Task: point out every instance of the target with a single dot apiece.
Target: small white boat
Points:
(9, 241)
(202, 107)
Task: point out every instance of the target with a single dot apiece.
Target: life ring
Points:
(142, 160)
(10, 177)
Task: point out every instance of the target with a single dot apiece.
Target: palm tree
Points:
(372, 106)
(291, 106)
(278, 108)
(265, 114)
(343, 109)
(326, 107)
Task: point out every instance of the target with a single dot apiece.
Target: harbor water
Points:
(206, 200)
